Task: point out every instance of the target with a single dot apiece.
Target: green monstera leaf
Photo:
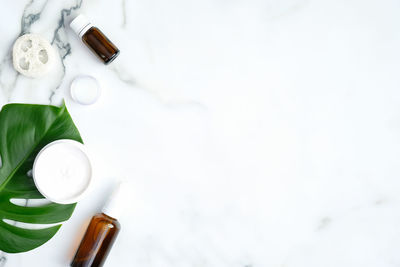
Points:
(24, 130)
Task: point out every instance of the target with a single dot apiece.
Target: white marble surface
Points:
(254, 132)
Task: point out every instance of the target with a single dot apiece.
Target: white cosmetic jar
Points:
(62, 171)
(85, 90)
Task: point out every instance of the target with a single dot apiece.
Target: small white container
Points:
(62, 171)
(85, 90)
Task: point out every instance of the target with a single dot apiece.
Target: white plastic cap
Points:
(80, 25)
(115, 203)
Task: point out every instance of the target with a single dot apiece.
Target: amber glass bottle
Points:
(100, 234)
(97, 241)
(100, 45)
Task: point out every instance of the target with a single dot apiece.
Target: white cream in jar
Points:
(62, 171)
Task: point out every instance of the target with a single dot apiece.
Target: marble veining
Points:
(254, 133)
(31, 14)
(60, 40)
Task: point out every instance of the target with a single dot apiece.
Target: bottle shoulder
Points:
(92, 30)
(106, 219)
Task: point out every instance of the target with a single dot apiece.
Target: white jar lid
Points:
(62, 171)
(85, 90)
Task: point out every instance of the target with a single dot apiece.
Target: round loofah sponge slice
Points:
(33, 55)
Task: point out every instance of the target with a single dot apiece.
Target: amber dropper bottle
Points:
(100, 45)
(100, 234)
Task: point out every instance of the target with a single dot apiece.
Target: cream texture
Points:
(62, 171)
